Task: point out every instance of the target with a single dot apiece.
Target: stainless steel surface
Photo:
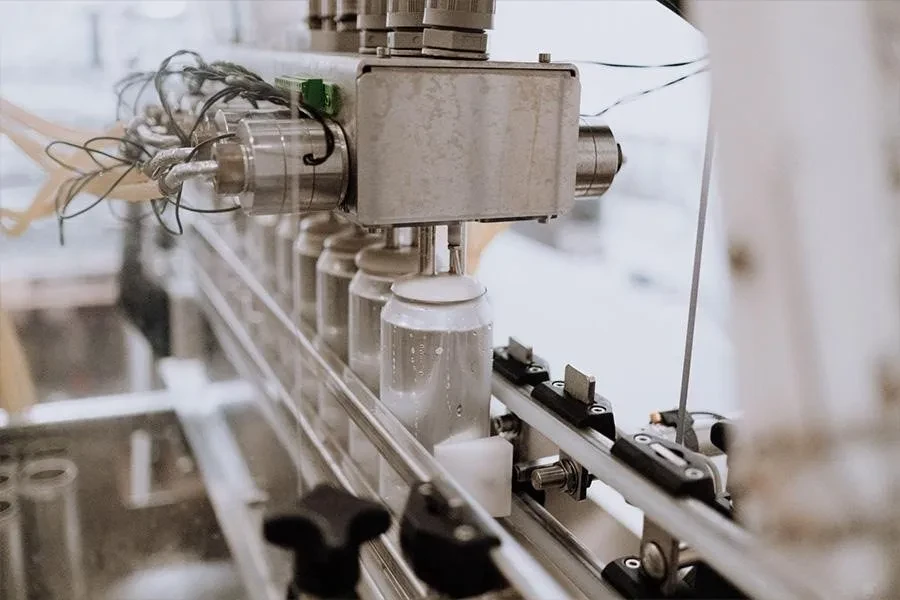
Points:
(391, 439)
(278, 180)
(579, 385)
(13, 582)
(51, 520)
(695, 279)
(398, 180)
(435, 369)
(486, 157)
(184, 171)
(534, 525)
(723, 544)
(598, 158)
(334, 271)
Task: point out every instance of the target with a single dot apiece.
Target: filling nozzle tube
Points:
(49, 507)
(456, 242)
(426, 250)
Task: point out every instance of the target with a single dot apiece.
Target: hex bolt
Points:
(694, 473)
(544, 57)
(464, 533)
(653, 561)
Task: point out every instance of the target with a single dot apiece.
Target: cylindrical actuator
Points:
(335, 269)
(275, 167)
(313, 231)
(599, 158)
(379, 266)
(51, 522)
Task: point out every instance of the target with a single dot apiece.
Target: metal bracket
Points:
(576, 401)
(518, 364)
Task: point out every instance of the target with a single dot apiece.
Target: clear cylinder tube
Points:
(13, 585)
(53, 544)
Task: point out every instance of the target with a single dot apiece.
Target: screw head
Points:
(694, 473)
(559, 384)
(653, 561)
(426, 489)
(544, 57)
(632, 563)
(642, 439)
(464, 533)
(534, 369)
(596, 409)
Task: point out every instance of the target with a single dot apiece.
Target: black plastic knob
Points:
(325, 533)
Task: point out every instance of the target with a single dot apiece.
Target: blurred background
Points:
(606, 287)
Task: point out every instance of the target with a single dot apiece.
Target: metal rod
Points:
(391, 237)
(456, 242)
(427, 263)
(181, 173)
(727, 547)
(695, 280)
(386, 433)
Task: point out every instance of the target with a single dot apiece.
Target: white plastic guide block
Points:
(484, 468)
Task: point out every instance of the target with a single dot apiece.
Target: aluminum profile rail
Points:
(724, 545)
(408, 458)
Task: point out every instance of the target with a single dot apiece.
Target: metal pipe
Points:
(49, 505)
(163, 159)
(426, 250)
(150, 137)
(599, 158)
(558, 546)
(181, 173)
(456, 242)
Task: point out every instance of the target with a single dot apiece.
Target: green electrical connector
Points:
(319, 94)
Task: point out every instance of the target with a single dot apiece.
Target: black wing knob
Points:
(325, 533)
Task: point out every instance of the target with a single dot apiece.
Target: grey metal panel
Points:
(437, 145)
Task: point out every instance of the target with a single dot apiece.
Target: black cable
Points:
(636, 95)
(614, 65)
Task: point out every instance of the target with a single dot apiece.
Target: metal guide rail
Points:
(721, 543)
(410, 461)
